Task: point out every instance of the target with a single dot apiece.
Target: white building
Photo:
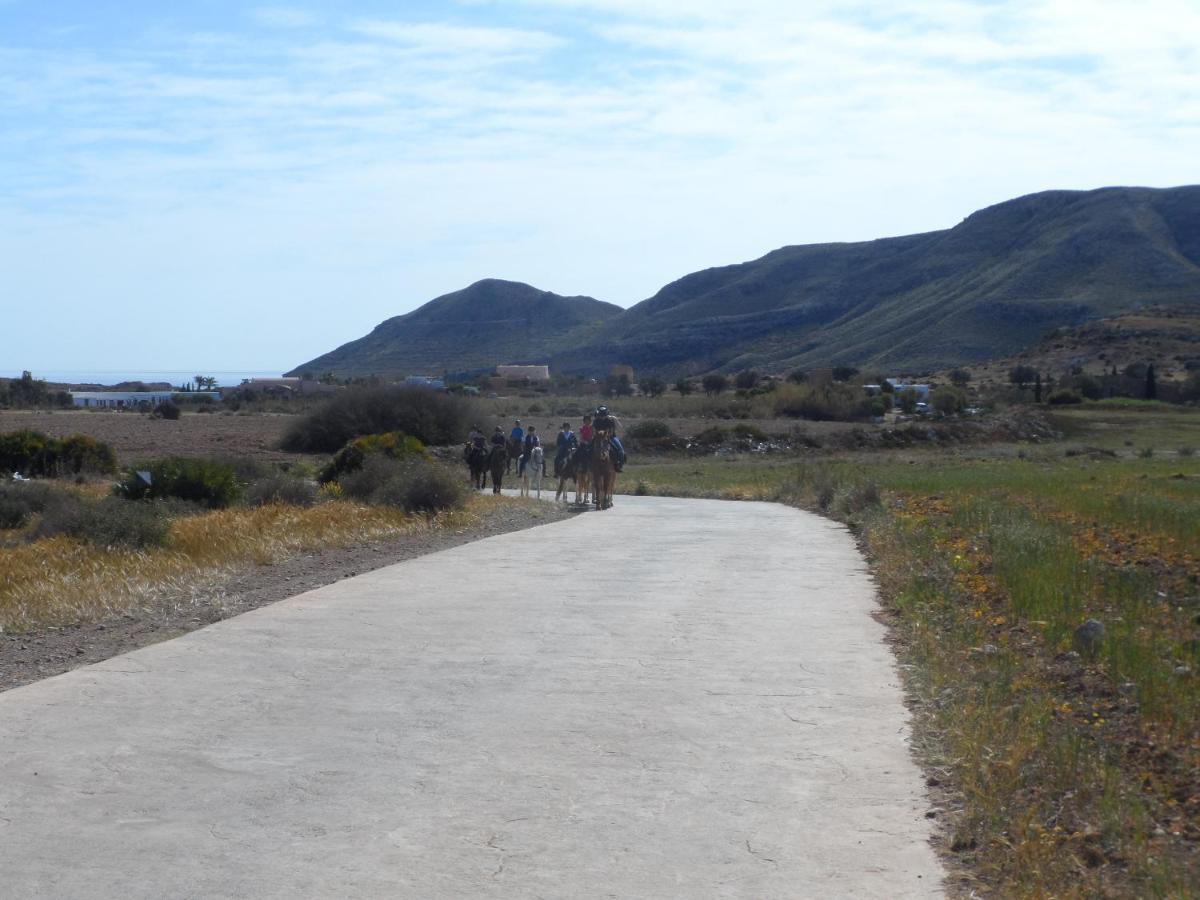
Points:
(131, 399)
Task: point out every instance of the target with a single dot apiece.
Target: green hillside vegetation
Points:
(992, 286)
(490, 323)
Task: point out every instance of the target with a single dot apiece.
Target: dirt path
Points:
(677, 698)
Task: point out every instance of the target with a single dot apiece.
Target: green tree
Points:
(960, 377)
(714, 384)
(1151, 383)
(746, 380)
(653, 387)
(797, 376)
(907, 401)
(948, 401)
(844, 373)
(618, 385)
(683, 387)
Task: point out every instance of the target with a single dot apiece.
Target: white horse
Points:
(532, 472)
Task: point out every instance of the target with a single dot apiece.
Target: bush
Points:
(281, 488)
(207, 482)
(394, 444)
(711, 437)
(413, 484)
(714, 384)
(168, 409)
(108, 523)
(432, 417)
(1064, 398)
(832, 402)
(650, 429)
(34, 454)
(948, 401)
(20, 500)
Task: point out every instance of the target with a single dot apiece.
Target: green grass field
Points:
(1069, 773)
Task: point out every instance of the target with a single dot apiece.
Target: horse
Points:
(575, 468)
(477, 462)
(532, 472)
(516, 449)
(603, 469)
(497, 462)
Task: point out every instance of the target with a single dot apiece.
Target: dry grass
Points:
(62, 581)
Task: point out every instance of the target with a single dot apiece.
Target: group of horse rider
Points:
(567, 440)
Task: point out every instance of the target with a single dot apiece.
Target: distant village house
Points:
(131, 399)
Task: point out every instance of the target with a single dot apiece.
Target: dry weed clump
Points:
(61, 580)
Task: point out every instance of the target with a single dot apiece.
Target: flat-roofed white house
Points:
(130, 399)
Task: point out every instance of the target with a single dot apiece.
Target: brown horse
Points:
(497, 461)
(575, 468)
(604, 469)
(477, 462)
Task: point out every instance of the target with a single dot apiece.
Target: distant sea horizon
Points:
(174, 377)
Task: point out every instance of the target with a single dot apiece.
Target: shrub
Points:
(650, 429)
(168, 409)
(711, 437)
(20, 500)
(207, 482)
(1186, 450)
(831, 402)
(36, 455)
(413, 484)
(394, 444)
(949, 401)
(108, 523)
(432, 417)
(1064, 398)
(714, 384)
(281, 488)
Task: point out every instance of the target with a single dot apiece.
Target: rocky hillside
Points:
(489, 323)
(992, 286)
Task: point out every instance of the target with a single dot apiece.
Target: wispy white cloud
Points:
(441, 36)
(285, 17)
(586, 146)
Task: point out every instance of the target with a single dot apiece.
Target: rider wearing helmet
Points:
(603, 420)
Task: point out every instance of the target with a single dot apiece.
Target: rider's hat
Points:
(602, 410)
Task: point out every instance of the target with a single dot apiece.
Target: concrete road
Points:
(670, 699)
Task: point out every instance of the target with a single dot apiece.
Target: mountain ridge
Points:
(988, 287)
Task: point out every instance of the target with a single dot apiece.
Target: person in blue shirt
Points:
(517, 435)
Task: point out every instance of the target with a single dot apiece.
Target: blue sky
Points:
(233, 185)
